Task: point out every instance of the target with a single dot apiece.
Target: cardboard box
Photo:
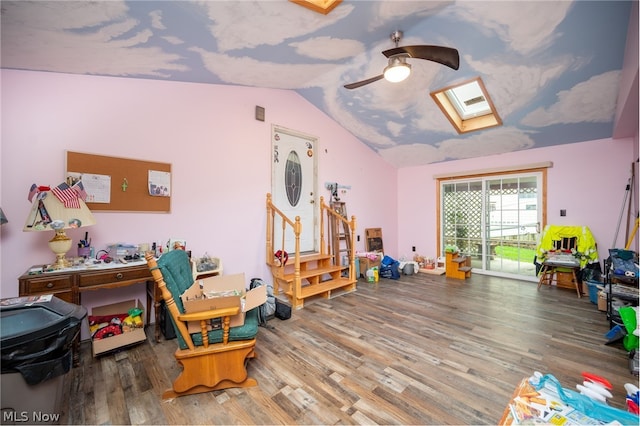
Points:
(602, 301)
(565, 280)
(366, 264)
(222, 291)
(107, 344)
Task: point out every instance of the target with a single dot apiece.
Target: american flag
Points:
(79, 188)
(33, 191)
(67, 195)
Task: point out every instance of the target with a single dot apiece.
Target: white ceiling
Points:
(552, 67)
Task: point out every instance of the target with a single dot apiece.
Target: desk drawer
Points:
(115, 276)
(48, 285)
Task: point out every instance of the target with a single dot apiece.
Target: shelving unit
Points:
(619, 287)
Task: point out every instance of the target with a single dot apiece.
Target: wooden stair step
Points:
(323, 287)
(312, 257)
(464, 268)
(289, 277)
(460, 259)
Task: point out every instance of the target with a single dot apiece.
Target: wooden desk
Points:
(69, 284)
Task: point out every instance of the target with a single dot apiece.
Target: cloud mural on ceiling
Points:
(551, 67)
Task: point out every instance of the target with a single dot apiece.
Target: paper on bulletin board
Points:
(97, 187)
(159, 183)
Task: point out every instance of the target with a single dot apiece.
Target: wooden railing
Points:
(326, 210)
(326, 263)
(294, 226)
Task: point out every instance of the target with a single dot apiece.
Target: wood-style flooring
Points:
(424, 349)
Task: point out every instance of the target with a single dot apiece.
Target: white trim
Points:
(522, 168)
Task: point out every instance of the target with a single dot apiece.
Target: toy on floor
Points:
(595, 387)
(629, 316)
(633, 395)
(587, 403)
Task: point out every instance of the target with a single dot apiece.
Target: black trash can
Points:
(36, 340)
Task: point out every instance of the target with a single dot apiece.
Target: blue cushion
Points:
(178, 276)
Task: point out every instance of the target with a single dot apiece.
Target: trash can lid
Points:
(26, 321)
(29, 317)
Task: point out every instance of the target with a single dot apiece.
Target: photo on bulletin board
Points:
(159, 183)
(97, 187)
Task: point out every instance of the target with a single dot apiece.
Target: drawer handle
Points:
(50, 285)
(119, 275)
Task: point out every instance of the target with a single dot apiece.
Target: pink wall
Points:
(221, 169)
(220, 159)
(587, 179)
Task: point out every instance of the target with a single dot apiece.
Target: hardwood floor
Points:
(424, 349)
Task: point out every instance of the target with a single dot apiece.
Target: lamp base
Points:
(60, 244)
(61, 263)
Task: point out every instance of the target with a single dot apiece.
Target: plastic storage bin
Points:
(36, 339)
(593, 290)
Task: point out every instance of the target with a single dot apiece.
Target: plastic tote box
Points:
(594, 287)
(36, 339)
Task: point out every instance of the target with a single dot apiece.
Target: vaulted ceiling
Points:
(552, 68)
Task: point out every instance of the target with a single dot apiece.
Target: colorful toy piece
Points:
(597, 379)
(633, 395)
(134, 319)
(594, 390)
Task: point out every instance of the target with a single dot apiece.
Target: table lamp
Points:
(57, 210)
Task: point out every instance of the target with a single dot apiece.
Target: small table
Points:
(68, 284)
(552, 266)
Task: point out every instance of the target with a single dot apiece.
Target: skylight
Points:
(320, 6)
(467, 106)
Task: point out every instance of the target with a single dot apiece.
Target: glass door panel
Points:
(494, 220)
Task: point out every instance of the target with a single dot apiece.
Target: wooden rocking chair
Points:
(211, 360)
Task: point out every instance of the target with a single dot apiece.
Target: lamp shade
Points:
(397, 70)
(49, 213)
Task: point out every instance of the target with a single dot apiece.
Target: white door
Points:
(293, 186)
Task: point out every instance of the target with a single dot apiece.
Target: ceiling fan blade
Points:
(363, 82)
(443, 55)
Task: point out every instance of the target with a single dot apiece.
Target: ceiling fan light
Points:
(397, 72)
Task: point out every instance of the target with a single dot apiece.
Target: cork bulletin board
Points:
(129, 182)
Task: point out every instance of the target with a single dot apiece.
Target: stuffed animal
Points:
(281, 257)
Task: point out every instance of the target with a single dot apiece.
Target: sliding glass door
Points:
(495, 220)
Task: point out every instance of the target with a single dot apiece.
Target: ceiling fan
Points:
(398, 68)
